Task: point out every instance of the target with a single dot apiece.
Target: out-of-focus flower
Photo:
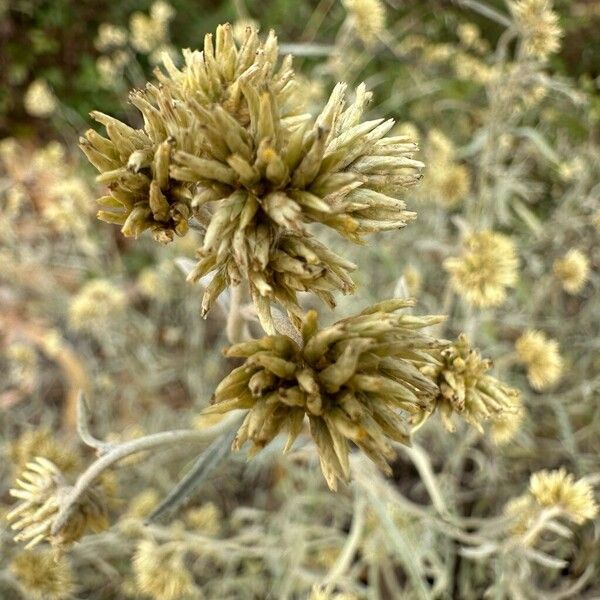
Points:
(367, 18)
(97, 302)
(541, 357)
(452, 183)
(206, 518)
(142, 505)
(39, 100)
(160, 572)
(539, 27)
(44, 574)
(559, 488)
(357, 381)
(467, 390)
(41, 488)
(149, 32)
(572, 270)
(41, 442)
(487, 267)
(109, 37)
(468, 34)
(413, 280)
(320, 593)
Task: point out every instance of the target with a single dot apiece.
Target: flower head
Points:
(160, 572)
(539, 26)
(357, 381)
(367, 18)
(39, 100)
(41, 488)
(572, 270)
(224, 137)
(542, 358)
(41, 442)
(95, 304)
(487, 267)
(44, 574)
(467, 390)
(559, 488)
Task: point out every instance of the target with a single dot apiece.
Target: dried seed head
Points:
(541, 357)
(357, 381)
(486, 268)
(44, 575)
(160, 571)
(467, 390)
(559, 488)
(572, 270)
(41, 488)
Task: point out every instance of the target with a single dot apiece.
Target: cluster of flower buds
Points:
(42, 489)
(466, 389)
(357, 381)
(225, 141)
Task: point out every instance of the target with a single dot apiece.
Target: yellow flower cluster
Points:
(41, 488)
(44, 574)
(160, 572)
(486, 268)
(467, 390)
(225, 141)
(572, 270)
(559, 488)
(358, 382)
(539, 26)
(541, 357)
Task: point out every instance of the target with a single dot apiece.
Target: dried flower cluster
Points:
(225, 138)
(541, 357)
(486, 268)
(41, 489)
(357, 381)
(467, 390)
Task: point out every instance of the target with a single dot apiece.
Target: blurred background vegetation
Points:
(511, 144)
(54, 41)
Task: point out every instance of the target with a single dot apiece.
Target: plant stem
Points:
(121, 451)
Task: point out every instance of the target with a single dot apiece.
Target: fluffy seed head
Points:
(486, 268)
(559, 488)
(357, 381)
(572, 270)
(541, 357)
(41, 489)
(467, 390)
